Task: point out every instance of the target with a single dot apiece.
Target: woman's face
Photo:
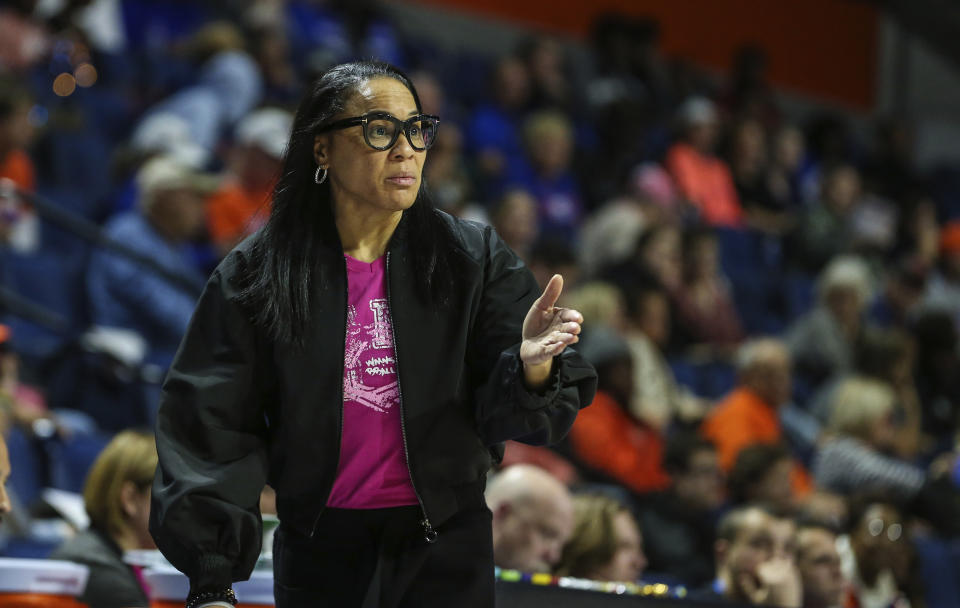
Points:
(628, 561)
(361, 177)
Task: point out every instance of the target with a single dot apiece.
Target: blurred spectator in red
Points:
(761, 475)
(493, 133)
(704, 180)
(705, 308)
(822, 341)
(825, 229)
(16, 134)
(750, 414)
(606, 544)
(605, 438)
(819, 564)
(752, 566)
(242, 204)
(943, 291)
(679, 522)
(548, 176)
(532, 518)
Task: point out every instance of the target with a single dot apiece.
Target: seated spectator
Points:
(822, 341)
(550, 256)
(548, 140)
(493, 131)
(129, 295)
(20, 404)
(751, 568)
(783, 175)
(703, 179)
(606, 544)
(749, 414)
(761, 475)
(875, 555)
(5, 505)
(532, 518)
(749, 164)
(242, 203)
(705, 307)
(19, 227)
(605, 437)
(825, 230)
(943, 291)
(448, 178)
(819, 565)
(117, 499)
(602, 302)
(515, 220)
(610, 234)
(679, 523)
(897, 303)
(546, 64)
(863, 432)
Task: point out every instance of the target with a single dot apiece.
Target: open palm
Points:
(549, 329)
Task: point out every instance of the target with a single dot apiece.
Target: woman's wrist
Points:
(204, 599)
(536, 376)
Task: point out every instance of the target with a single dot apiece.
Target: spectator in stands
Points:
(822, 341)
(242, 203)
(117, 499)
(532, 518)
(553, 255)
(783, 175)
(660, 254)
(898, 302)
(493, 131)
(515, 219)
(127, 294)
(819, 565)
(605, 438)
(749, 164)
(657, 398)
(751, 568)
(21, 405)
(943, 292)
(938, 384)
(863, 432)
(549, 84)
(875, 554)
(679, 523)
(606, 544)
(5, 505)
(447, 175)
(704, 180)
(600, 302)
(749, 414)
(705, 308)
(825, 229)
(548, 176)
(761, 475)
(16, 133)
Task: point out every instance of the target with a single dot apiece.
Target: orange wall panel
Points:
(825, 48)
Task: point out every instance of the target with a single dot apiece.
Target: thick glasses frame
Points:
(400, 125)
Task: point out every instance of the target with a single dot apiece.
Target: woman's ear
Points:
(128, 499)
(320, 144)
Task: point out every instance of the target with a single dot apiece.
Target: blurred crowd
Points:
(772, 302)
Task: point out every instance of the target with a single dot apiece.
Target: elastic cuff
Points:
(213, 573)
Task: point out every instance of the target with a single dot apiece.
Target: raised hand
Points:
(547, 330)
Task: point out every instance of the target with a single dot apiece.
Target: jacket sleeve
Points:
(211, 430)
(506, 408)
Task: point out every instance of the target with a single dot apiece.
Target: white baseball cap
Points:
(267, 129)
(168, 173)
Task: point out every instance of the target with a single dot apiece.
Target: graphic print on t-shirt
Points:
(369, 359)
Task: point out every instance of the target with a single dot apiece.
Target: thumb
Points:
(551, 293)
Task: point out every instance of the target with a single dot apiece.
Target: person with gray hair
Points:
(823, 340)
(532, 518)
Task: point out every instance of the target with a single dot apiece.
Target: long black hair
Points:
(277, 285)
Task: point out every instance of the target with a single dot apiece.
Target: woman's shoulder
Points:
(471, 237)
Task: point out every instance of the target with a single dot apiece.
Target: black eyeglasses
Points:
(381, 130)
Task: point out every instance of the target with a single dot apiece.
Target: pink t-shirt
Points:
(373, 470)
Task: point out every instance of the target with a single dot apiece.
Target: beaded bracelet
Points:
(224, 595)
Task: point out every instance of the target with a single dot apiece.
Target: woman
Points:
(606, 544)
(117, 498)
(365, 355)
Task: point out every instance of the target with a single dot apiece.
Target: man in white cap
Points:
(242, 205)
(130, 295)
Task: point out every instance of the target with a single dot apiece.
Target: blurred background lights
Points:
(85, 74)
(64, 84)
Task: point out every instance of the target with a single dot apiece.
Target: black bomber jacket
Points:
(238, 410)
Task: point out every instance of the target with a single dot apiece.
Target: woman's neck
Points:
(365, 235)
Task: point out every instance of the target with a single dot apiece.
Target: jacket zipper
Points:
(429, 533)
(343, 349)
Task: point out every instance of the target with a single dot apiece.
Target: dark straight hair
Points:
(278, 283)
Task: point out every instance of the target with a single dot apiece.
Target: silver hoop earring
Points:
(320, 178)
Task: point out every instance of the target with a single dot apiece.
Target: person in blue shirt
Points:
(124, 293)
